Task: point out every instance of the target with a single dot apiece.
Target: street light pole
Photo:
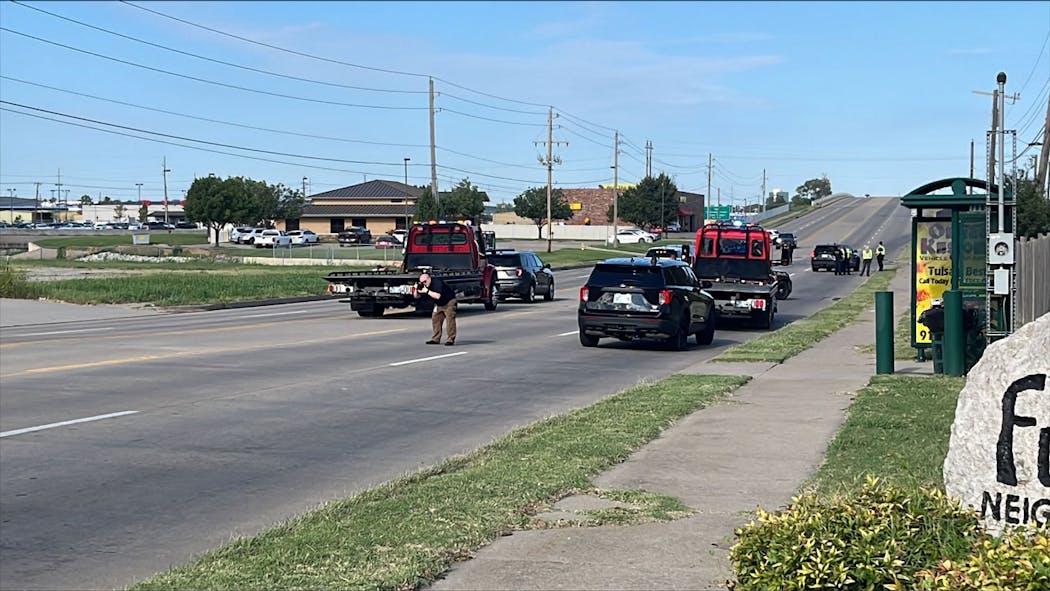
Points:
(164, 165)
(407, 160)
(12, 204)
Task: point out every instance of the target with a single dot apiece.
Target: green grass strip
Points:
(405, 533)
(800, 335)
(186, 288)
(897, 429)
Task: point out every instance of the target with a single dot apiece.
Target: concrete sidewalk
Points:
(753, 449)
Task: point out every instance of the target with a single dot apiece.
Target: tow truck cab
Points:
(735, 258)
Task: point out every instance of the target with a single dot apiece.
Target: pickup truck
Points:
(452, 252)
(735, 259)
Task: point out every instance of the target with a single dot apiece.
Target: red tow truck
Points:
(735, 259)
(452, 252)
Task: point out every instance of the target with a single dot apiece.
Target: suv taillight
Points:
(520, 271)
(813, 254)
(584, 292)
(664, 297)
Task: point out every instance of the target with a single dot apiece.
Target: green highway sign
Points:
(717, 212)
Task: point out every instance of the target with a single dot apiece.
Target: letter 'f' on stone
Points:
(1005, 469)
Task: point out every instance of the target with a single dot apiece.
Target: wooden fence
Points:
(1033, 278)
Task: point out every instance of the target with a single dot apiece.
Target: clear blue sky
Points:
(876, 95)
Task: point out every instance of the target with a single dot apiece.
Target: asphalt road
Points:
(219, 424)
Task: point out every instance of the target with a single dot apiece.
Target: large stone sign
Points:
(999, 455)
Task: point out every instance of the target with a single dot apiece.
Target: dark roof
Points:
(642, 261)
(346, 211)
(8, 202)
(372, 190)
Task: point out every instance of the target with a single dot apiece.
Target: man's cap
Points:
(937, 302)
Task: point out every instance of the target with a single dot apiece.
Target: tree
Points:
(85, 199)
(1033, 209)
(532, 204)
(106, 200)
(426, 207)
(465, 201)
(118, 212)
(269, 203)
(143, 212)
(814, 189)
(652, 202)
(215, 203)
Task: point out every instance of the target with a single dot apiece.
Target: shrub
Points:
(1019, 560)
(874, 539)
(13, 283)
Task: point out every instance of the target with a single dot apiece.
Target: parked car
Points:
(159, 226)
(398, 235)
(823, 257)
(387, 242)
(302, 237)
(644, 298)
(633, 236)
(522, 274)
(674, 227)
(185, 225)
(238, 234)
(355, 235)
(272, 239)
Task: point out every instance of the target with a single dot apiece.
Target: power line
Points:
(1042, 50)
(207, 81)
(447, 110)
(217, 61)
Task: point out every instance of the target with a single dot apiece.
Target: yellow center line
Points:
(196, 353)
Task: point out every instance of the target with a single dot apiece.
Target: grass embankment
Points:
(405, 533)
(798, 336)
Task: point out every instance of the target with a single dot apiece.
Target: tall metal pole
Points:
(707, 196)
(616, 186)
(433, 147)
(304, 186)
(11, 203)
(550, 169)
(36, 208)
(164, 165)
(1001, 80)
(763, 189)
(407, 160)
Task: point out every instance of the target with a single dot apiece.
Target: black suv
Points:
(786, 239)
(823, 257)
(355, 235)
(645, 298)
(521, 274)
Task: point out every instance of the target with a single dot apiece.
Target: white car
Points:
(272, 239)
(399, 235)
(304, 237)
(238, 234)
(633, 236)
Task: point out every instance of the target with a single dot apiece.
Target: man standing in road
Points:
(840, 255)
(866, 256)
(880, 253)
(444, 307)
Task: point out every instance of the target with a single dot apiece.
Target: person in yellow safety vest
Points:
(866, 255)
(880, 254)
(849, 260)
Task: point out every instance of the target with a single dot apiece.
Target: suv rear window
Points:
(825, 248)
(613, 275)
(505, 260)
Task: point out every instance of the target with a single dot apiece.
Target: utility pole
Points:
(166, 170)
(719, 196)
(1044, 153)
(616, 186)
(11, 203)
(707, 196)
(549, 163)
(763, 190)
(304, 187)
(996, 119)
(648, 158)
(139, 185)
(36, 208)
(433, 147)
(407, 160)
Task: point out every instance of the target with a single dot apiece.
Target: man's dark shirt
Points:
(446, 293)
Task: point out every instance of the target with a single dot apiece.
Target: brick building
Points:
(591, 207)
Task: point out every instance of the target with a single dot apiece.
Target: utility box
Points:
(139, 238)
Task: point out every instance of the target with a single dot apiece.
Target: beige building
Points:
(378, 205)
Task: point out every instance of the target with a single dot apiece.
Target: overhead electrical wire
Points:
(207, 81)
(218, 61)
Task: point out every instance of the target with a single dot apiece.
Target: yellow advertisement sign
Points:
(933, 268)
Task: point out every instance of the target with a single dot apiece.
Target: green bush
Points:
(1019, 560)
(872, 540)
(13, 283)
